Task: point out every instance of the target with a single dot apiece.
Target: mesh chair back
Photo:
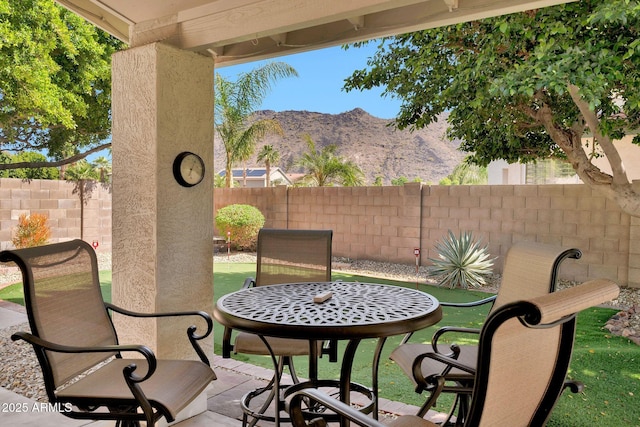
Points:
(64, 303)
(530, 270)
(287, 256)
(524, 354)
(527, 358)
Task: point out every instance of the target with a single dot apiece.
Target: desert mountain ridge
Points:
(376, 147)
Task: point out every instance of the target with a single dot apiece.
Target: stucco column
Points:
(634, 247)
(634, 253)
(162, 232)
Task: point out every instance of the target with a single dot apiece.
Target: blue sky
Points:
(318, 87)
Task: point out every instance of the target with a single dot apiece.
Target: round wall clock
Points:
(188, 169)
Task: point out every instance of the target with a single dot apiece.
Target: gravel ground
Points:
(21, 374)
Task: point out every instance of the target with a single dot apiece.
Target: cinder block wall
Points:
(568, 215)
(387, 223)
(59, 201)
(377, 223)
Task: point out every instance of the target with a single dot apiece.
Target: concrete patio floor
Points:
(223, 396)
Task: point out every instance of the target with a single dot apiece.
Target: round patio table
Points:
(353, 311)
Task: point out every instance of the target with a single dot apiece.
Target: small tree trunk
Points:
(268, 171)
(81, 193)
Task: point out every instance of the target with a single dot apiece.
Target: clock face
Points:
(188, 169)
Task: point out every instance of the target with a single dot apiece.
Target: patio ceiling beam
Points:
(225, 22)
(101, 16)
(410, 18)
(246, 30)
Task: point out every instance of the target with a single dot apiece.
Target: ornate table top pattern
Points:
(356, 310)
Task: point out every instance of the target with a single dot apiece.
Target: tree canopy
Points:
(525, 86)
(55, 83)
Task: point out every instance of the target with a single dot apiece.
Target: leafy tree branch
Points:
(55, 163)
(526, 86)
(55, 82)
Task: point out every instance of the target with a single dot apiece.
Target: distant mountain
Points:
(379, 149)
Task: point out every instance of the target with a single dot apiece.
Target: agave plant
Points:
(461, 262)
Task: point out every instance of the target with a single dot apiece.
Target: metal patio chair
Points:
(77, 347)
(284, 256)
(530, 270)
(522, 361)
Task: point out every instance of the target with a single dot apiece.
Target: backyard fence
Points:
(385, 223)
(60, 202)
(389, 223)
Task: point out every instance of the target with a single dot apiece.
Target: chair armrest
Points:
(248, 282)
(443, 359)
(340, 408)
(202, 314)
(445, 329)
(483, 301)
(436, 382)
(191, 330)
(40, 345)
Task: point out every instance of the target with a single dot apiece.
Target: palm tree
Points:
(269, 156)
(326, 168)
(103, 165)
(235, 102)
(467, 173)
(83, 174)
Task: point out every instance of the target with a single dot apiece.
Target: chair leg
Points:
(288, 360)
(463, 412)
(125, 410)
(459, 409)
(331, 348)
(452, 411)
(127, 423)
(436, 390)
(259, 413)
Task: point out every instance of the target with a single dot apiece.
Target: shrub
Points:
(461, 262)
(32, 230)
(243, 221)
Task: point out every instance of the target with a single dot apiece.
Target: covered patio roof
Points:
(237, 31)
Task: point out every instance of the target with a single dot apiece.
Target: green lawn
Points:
(14, 293)
(608, 365)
